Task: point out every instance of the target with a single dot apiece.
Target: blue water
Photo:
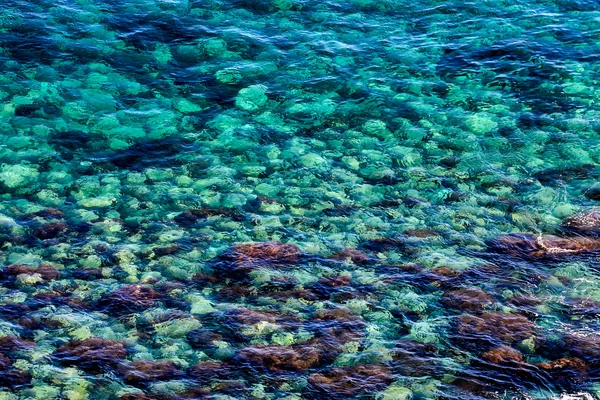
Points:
(295, 199)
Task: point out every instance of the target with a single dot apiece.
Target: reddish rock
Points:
(335, 280)
(583, 223)
(467, 299)
(87, 274)
(128, 299)
(540, 246)
(509, 328)
(415, 359)
(208, 370)
(333, 329)
(246, 316)
(50, 230)
(4, 362)
(192, 216)
(384, 244)
(586, 347)
(136, 396)
(279, 358)
(12, 343)
(562, 365)
(148, 371)
(238, 291)
(445, 272)
(59, 299)
(92, 354)
(503, 355)
(358, 257)
(303, 294)
(166, 250)
(337, 314)
(522, 300)
(50, 213)
(351, 381)
(241, 259)
(46, 271)
(421, 233)
(268, 252)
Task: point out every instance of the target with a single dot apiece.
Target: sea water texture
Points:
(299, 199)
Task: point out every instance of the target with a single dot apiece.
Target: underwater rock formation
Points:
(351, 381)
(358, 257)
(148, 371)
(243, 258)
(585, 223)
(495, 326)
(503, 355)
(92, 354)
(541, 246)
(467, 299)
(128, 299)
(280, 358)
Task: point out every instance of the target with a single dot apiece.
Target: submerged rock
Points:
(495, 326)
(92, 354)
(503, 355)
(50, 230)
(268, 252)
(208, 370)
(243, 258)
(358, 257)
(45, 272)
(279, 358)
(351, 381)
(129, 299)
(148, 371)
(412, 358)
(467, 299)
(585, 223)
(540, 246)
(13, 343)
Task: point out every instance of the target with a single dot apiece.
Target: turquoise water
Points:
(295, 199)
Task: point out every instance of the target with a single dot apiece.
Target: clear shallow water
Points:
(155, 155)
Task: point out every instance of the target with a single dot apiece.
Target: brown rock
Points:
(351, 381)
(278, 358)
(147, 371)
(503, 355)
(128, 299)
(358, 257)
(415, 359)
(572, 364)
(303, 294)
(49, 231)
(246, 316)
(583, 223)
(208, 370)
(136, 396)
(12, 343)
(421, 233)
(335, 280)
(509, 328)
(467, 299)
(4, 362)
(268, 252)
(586, 347)
(47, 271)
(523, 300)
(93, 354)
(540, 246)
